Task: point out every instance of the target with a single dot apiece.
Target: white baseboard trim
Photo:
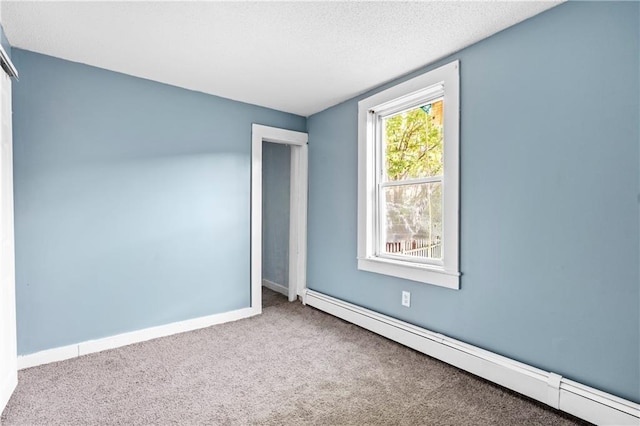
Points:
(582, 401)
(118, 340)
(7, 386)
(275, 287)
(48, 356)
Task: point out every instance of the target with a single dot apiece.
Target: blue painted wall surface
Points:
(131, 201)
(276, 179)
(549, 198)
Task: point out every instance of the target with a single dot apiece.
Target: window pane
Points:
(413, 143)
(411, 220)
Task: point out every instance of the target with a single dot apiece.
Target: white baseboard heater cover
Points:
(572, 397)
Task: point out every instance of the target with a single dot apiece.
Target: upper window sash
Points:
(430, 179)
(404, 103)
(391, 109)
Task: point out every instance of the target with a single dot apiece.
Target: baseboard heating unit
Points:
(566, 395)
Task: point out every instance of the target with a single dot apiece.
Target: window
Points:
(408, 179)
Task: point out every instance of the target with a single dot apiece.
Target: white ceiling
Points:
(299, 57)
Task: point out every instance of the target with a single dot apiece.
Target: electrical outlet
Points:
(406, 299)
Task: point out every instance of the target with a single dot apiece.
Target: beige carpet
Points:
(293, 365)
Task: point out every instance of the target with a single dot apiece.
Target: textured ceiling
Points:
(299, 57)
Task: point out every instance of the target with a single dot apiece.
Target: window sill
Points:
(428, 274)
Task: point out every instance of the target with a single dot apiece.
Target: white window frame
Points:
(411, 93)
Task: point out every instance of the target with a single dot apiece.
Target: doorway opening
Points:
(297, 227)
(276, 194)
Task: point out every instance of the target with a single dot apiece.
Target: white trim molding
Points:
(279, 288)
(7, 386)
(297, 214)
(90, 346)
(8, 342)
(7, 65)
(443, 81)
(566, 395)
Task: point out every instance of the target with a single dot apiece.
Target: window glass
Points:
(413, 142)
(410, 187)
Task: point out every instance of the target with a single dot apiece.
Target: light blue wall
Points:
(131, 201)
(276, 178)
(549, 198)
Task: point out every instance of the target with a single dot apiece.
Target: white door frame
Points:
(8, 351)
(297, 205)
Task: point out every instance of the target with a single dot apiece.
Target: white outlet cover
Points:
(406, 299)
